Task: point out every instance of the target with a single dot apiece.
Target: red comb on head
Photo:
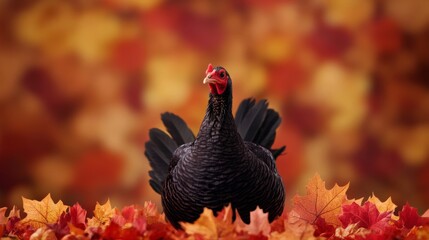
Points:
(209, 69)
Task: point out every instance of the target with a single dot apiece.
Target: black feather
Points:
(267, 132)
(278, 151)
(258, 124)
(155, 186)
(160, 148)
(242, 110)
(159, 151)
(177, 128)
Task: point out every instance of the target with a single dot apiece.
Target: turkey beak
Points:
(209, 79)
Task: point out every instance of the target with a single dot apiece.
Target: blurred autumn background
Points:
(82, 82)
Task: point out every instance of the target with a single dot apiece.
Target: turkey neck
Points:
(218, 135)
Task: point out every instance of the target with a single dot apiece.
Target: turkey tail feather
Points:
(177, 128)
(160, 147)
(258, 124)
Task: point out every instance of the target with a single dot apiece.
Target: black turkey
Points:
(230, 160)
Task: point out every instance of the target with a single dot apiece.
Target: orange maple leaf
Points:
(386, 206)
(224, 224)
(102, 214)
(298, 227)
(204, 226)
(320, 202)
(40, 213)
(258, 223)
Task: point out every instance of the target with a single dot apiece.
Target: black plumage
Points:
(230, 160)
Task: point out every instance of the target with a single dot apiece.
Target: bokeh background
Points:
(82, 82)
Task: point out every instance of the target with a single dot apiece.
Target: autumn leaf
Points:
(386, 206)
(204, 226)
(78, 216)
(131, 217)
(351, 232)
(41, 213)
(14, 212)
(320, 202)
(43, 234)
(150, 209)
(417, 233)
(3, 219)
(102, 214)
(323, 229)
(409, 217)
(224, 222)
(258, 223)
(297, 228)
(307, 220)
(366, 216)
(426, 214)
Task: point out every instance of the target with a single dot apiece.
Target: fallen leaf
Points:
(320, 202)
(386, 206)
(426, 214)
(258, 223)
(78, 216)
(204, 226)
(14, 212)
(366, 216)
(351, 231)
(225, 227)
(112, 231)
(409, 217)
(299, 227)
(102, 214)
(131, 217)
(3, 219)
(323, 229)
(278, 225)
(43, 234)
(418, 233)
(41, 213)
(150, 209)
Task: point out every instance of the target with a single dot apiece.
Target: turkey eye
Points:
(222, 74)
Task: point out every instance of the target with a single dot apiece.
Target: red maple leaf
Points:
(132, 216)
(409, 217)
(366, 216)
(323, 229)
(78, 216)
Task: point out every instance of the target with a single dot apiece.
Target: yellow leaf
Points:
(385, 206)
(204, 226)
(102, 214)
(40, 213)
(320, 202)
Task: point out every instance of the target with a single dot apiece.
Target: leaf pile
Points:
(320, 214)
